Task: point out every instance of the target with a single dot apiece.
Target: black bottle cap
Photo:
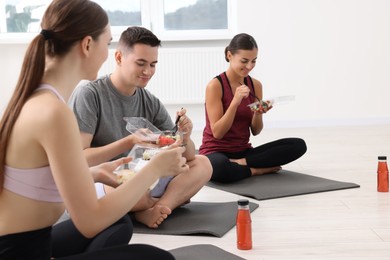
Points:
(382, 158)
(243, 202)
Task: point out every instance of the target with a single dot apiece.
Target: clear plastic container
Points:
(270, 102)
(148, 133)
(141, 156)
(142, 128)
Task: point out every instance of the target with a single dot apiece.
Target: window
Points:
(194, 19)
(122, 14)
(169, 19)
(19, 16)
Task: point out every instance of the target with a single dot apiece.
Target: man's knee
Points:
(205, 168)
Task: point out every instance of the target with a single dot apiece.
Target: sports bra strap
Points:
(52, 89)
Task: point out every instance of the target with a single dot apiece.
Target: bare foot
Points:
(241, 161)
(153, 217)
(257, 171)
(260, 171)
(186, 202)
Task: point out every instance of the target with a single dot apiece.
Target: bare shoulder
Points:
(57, 114)
(46, 116)
(257, 83)
(43, 123)
(258, 87)
(214, 87)
(214, 84)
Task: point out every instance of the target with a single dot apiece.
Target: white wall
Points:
(333, 55)
(11, 58)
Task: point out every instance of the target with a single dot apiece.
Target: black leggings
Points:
(276, 153)
(37, 245)
(131, 252)
(67, 240)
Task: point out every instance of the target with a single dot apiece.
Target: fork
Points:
(253, 95)
(175, 128)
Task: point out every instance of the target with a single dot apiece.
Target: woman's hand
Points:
(240, 93)
(170, 162)
(104, 172)
(264, 107)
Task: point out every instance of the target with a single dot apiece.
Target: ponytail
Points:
(29, 79)
(64, 24)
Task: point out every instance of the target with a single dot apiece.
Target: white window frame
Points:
(153, 19)
(157, 25)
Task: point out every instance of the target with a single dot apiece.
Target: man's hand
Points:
(185, 124)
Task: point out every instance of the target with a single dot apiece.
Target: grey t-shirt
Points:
(100, 109)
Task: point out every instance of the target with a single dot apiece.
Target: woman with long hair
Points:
(43, 170)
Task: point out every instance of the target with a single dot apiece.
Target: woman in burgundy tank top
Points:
(230, 122)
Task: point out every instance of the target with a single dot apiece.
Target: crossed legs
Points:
(153, 211)
(179, 191)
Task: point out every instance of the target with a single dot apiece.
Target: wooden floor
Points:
(347, 224)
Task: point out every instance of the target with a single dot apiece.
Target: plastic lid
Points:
(382, 158)
(243, 202)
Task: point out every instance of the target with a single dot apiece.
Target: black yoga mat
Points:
(197, 218)
(203, 251)
(281, 184)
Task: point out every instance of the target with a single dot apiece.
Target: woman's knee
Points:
(300, 145)
(207, 168)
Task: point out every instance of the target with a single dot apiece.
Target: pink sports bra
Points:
(38, 183)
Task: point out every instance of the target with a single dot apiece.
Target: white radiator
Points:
(182, 74)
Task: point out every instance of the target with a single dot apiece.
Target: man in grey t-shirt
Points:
(101, 105)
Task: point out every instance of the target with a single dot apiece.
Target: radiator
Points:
(181, 74)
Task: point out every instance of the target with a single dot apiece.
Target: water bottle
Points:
(244, 225)
(383, 174)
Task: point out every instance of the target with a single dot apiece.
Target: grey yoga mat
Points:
(281, 184)
(197, 218)
(202, 251)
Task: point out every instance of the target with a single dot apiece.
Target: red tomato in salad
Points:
(165, 140)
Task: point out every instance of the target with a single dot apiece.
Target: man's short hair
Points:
(135, 34)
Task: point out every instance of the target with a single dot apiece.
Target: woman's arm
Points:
(97, 155)
(63, 147)
(257, 119)
(220, 123)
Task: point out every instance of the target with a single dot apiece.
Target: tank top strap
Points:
(224, 82)
(52, 89)
(249, 82)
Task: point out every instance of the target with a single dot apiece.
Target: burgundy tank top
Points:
(237, 138)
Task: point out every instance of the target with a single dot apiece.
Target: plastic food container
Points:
(148, 133)
(141, 156)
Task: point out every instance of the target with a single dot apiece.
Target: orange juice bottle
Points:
(383, 174)
(244, 225)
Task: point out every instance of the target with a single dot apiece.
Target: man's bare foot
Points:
(153, 217)
(260, 171)
(186, 202)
